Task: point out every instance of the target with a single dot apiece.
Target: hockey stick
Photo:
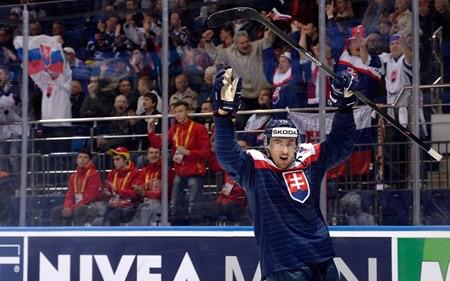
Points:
(224, 16)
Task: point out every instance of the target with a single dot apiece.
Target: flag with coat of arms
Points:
(50, 72)
(359, 162)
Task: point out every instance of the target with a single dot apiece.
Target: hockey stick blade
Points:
(224, 16)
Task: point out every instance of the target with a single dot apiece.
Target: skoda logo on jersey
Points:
(297, 185)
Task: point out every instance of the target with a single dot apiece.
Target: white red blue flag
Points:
(45, 54)
(50, 72)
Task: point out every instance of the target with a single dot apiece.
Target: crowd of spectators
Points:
(113, 51)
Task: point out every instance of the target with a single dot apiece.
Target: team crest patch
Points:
(297, 185)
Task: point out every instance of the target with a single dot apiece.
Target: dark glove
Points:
(342, 90)
(227, 92)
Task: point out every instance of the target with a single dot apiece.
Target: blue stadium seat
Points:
(395, 207)
(435, 206)
(38, 211)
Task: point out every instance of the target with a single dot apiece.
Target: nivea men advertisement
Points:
(196, 256)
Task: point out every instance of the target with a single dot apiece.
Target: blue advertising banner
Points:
(11, 258)
(141, 258)
(189, 254)
(363, 258)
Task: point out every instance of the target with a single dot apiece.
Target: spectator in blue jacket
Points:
(283, 184)
(284, 75)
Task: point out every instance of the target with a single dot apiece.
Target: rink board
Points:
(210, 254)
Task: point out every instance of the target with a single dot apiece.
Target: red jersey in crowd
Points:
(120, 182)
(194, 137)
(84, 187)
(150, 179)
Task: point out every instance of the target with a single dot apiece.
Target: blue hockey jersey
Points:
(289, 228)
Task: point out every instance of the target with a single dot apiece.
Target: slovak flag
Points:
(50, 72)
(45, 54)
(359, 163)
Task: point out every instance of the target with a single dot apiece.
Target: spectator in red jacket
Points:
(190, 149)
(81, 203)
(119, 184)
(149, 186)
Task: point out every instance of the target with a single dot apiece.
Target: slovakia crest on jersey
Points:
(297, 185)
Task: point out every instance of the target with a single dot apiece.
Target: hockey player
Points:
(283, 185)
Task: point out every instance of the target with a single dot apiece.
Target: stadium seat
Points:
(395, 207)
(435, 207)
(38, 210)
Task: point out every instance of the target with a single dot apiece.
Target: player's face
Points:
(82, 160)
(282, 151)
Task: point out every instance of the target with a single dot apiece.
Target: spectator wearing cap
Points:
(119, 184)
(81, 203)
(149, 187)
(355, 59)
(397, 72)
(184, 92)
(284, 75)
(189, 143)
